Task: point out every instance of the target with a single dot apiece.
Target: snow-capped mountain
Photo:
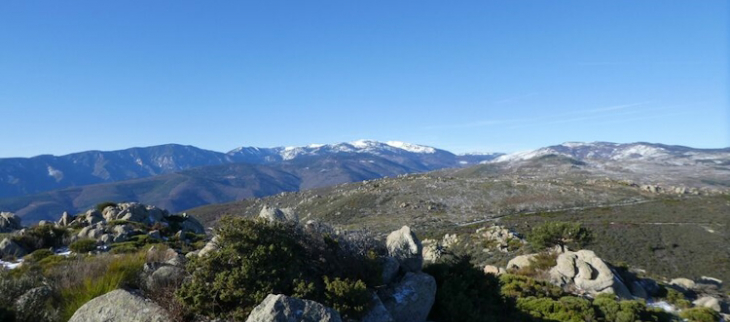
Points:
(640, 151)
(22, 176)
(264, 155)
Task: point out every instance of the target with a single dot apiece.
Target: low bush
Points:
(609, 309)
(257, 258)
(124, 248)
(554, 233)
(677, 299)
(38, 237)
(38, 255)
(465, 293)
(83, 246)
(350, 298)
(700, 314)
(565, 309)
(516, 286)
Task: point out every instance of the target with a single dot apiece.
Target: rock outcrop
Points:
(275, 214)
(494, 270)
(521, 261)
(378, 312)
(709, 302)
(684, 284)
(9, 222)
(10, 248)
(586, 272)
(411, 299)
(282, 308)
(404, 246)
(30, 306)
(501, 237)
(120, 306)
(114, 223)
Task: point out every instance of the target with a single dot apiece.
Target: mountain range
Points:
(180, 177)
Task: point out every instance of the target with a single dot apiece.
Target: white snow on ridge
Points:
(524, 155)
(414, 148)
(642, 151)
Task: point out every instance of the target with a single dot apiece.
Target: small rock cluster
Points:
(96, 224)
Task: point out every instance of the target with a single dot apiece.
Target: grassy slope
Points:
(686, 237)
(669, 236)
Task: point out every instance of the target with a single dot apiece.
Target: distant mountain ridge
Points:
(639, 151)
(23, 176)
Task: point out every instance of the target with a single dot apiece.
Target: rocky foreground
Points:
(276, 268)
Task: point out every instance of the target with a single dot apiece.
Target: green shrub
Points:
(257, 258)
(571, 234)
(568, 308)
(101, 206)
(516, 286)
(83, 246)
(38, 255)
(350, 298)
(38, 237)
(609, 309)
(465, 293)
(50, 262)
(700, 314)
(677, 299)
(124, 248)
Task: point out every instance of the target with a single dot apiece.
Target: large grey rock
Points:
(165, 276)
(120, 306)
(9, 222)
(404, 246)
(65, 219)
(274, 214)
(494, 270)
(432, 250)
(282, 308)
(30, 306)
(155, 214)
(133, 212)
(521, 261)
(685, 284)
(122, 232)
(390, 269)
(93, 232)
(709, 302)
(711, 280)
(411, 299)
(209, 247)
(378, 312)
(10, 248)
(588, 273)
(191, 224)
(93, 217)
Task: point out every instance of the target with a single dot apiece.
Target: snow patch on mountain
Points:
(414, 148)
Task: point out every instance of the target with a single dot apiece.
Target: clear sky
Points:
(459, 75)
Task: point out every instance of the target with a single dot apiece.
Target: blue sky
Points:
(466, 76)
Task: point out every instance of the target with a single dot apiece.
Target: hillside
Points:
(672, 230)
